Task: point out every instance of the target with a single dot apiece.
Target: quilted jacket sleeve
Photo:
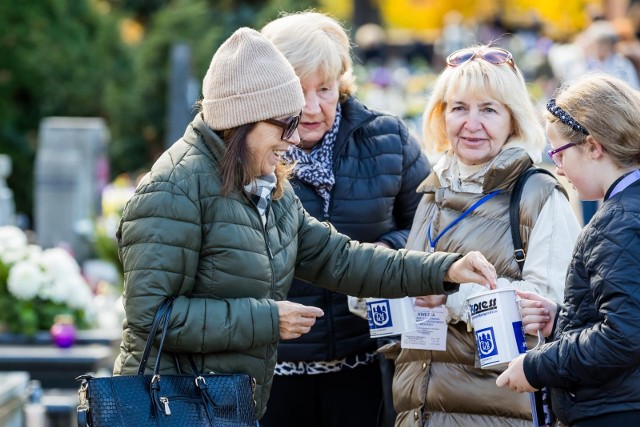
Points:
(160, 240)
(333, 261)
(415, 168)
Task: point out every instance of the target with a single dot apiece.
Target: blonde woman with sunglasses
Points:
(481, 117)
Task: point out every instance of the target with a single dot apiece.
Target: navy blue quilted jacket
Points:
(593, 365)
(377, 165)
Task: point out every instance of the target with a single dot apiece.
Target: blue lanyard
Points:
(432, 243)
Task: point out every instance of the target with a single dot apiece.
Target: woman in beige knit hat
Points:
(216, 225)
(358, 169)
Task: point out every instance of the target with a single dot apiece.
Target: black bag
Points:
(220, 400)
(514, 212)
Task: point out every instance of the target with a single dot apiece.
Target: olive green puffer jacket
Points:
(180, 237)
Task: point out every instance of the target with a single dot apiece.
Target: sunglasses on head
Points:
(493, 55)
(288, 125)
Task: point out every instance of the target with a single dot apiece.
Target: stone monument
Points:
(71, 169)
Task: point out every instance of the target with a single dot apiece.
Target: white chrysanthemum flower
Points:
(51, 275)
(13, 244)
(59, 263)
(25, 280)
(56, 290)
(12, 236)
(80, 296)
(11, 256)
(34, 253)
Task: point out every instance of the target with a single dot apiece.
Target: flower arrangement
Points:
(36, 285)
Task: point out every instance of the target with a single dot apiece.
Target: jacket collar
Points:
(198, 130)
(354, 115)
(499, 174)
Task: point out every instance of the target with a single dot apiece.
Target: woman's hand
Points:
(431, 301)
(473, 267)
(514, 377)
(296, 319)
(537, 313)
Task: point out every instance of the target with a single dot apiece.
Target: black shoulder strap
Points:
(514, 213)
(162, 317)
(164, 312)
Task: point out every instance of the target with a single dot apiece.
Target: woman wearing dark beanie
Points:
(216, 225)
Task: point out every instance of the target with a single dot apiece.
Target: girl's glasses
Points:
(289, 125)
(557, 160)
(493, 55)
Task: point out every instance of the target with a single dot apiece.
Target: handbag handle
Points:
(163, 312)
(162, 315)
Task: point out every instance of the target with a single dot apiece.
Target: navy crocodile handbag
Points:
(212, 400)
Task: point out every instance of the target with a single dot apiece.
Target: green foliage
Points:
(20, 149)
(140, 9)
(59, 58)
(138, 127)
(67, 58)
(272, 9)
(29, 317)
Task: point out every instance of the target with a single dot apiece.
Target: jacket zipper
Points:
(268, 246)
(266, 241)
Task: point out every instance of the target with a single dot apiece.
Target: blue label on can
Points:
(486, 342)
(379, 314)
(518, 333)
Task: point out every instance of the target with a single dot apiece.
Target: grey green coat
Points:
(180, 237)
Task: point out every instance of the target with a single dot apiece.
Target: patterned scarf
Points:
(260, 192)
(316, 168)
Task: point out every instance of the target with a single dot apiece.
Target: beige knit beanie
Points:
(249, 80)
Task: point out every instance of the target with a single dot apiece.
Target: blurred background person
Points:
(600, 41)
(482, 117)
(596, 49)
(357, 168)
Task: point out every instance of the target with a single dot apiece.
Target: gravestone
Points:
(71, 169)
(13, 386)
(7, 206)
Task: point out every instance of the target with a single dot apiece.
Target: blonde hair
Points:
(609, 109)
(504, 83)
(312, 42)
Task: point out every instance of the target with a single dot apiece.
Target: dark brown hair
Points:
(236, 167)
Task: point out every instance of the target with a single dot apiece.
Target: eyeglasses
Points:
(288, 125)
(493, 55)
(556, 159)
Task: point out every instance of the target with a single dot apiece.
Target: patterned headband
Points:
(565, 117)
